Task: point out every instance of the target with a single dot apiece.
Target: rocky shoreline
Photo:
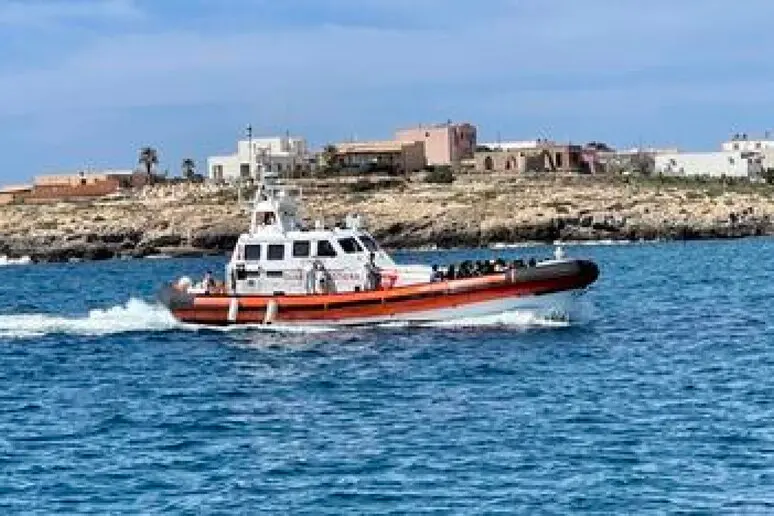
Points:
(474, 211)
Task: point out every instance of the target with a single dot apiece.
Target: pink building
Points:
(445, 144)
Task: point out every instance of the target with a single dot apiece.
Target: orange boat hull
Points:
(428, 301)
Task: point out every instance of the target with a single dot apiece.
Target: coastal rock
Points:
(475, 210)
(161, 240)
(216, 240)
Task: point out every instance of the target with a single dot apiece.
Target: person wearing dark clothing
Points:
(374, 275)
(208, 282)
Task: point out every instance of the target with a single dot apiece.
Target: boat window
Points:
(368, 242)
(253, 252)
(350, 245)
(325, 249)
(275, 252)
(301, 248)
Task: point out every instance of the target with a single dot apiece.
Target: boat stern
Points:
(175, 299)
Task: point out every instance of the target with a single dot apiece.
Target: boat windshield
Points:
(368, 242)
(350, 245)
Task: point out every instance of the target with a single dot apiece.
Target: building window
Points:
(244, 170)
(736, 146)
(757, 145)
(253, 252)
(350, 245)
(325, 249)
(275, 252)
(427, 134)
(488, 163)
(301, 248)
(731, 160)
(559, 160)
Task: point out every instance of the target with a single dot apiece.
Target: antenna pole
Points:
(250, 150)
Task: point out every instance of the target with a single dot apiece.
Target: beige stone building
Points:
(15, 193)
(445, 144)
(543, 156)
(390, 157)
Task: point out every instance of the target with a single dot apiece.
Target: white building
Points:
(282, 154)
(649, 151)
(744, 144)
(711, 164)
(516, 145)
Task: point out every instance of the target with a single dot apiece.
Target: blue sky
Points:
(85, 83)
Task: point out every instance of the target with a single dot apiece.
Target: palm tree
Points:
(188, 168)
(148, 158)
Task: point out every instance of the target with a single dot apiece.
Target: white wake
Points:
(135, 315)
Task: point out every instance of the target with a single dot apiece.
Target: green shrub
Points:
(439, 175)
(365, 184)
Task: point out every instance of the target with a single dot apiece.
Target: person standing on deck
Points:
(321, 285)
(373, 274)
(308, 277)
(208, 282)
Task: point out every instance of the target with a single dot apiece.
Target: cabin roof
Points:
(289, 236)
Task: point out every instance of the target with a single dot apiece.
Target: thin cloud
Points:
(331, 63)
(364, 66)
(30, 13)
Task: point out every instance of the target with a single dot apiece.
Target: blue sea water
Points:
(659, 399)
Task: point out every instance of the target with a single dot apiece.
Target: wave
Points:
(597, 243)
(135, 315)
(609, 242)
(516, 245)
(516, 319)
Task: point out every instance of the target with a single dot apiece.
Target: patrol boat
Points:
(283, 272)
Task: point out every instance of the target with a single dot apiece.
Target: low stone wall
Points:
(45, 193)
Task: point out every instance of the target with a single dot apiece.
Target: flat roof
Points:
(437, 125)
(15, 188)
(375, 146)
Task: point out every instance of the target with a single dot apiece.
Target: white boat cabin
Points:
(279, 256)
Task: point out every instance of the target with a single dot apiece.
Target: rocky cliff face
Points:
(473, 211)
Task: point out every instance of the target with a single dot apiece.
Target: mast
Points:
(240, 179)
